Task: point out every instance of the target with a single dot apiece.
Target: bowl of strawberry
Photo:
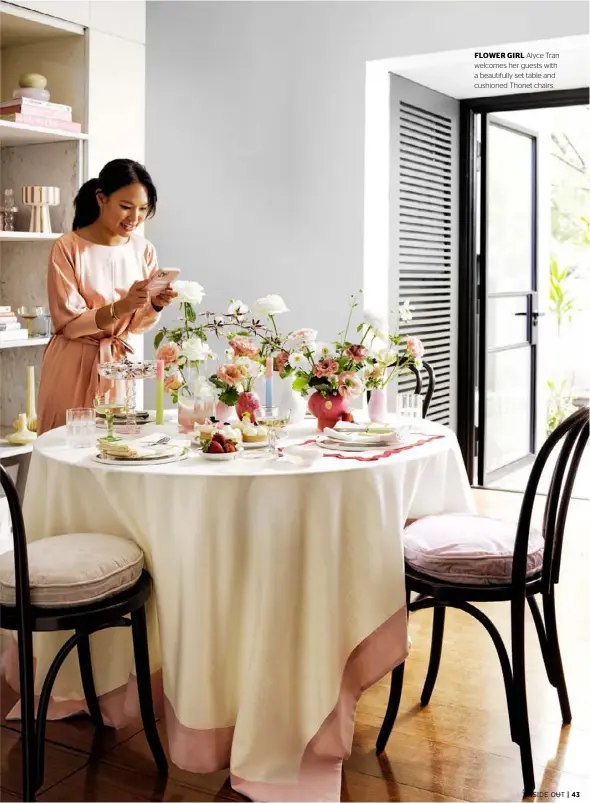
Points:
(220, 447)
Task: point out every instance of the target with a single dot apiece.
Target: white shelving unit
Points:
(30, 341)
(15, 134)
(27, 236)
(32, 41)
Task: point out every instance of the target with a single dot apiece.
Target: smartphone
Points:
(161, 279)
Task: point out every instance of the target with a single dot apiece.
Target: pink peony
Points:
(230, 374)
(350, 385)
(243, 346)
(168, 352)
(281, 360)
(172, 383)
(415, 347)
(325, 367)
(357, 353)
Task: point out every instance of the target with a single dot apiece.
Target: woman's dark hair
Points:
(114, 175)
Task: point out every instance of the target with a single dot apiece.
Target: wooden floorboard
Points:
(457, 748)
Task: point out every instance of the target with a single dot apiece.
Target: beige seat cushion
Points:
(461, 548)
(74, 569)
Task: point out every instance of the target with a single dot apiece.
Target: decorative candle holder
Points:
(130, 372)
(40, 199)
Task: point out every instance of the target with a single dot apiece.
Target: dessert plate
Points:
(150, 461)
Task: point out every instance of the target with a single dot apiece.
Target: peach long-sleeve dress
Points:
(82, 277)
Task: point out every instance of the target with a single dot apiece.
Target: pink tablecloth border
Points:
(386, 453)
(200, 750)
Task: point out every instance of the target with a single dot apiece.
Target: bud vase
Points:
(248, 402)
(329, 410)
(222, 412)
(377, 407)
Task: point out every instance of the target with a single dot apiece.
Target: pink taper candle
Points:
(160, 392)
(269, 367)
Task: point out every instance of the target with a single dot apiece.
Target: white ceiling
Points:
(452, 73)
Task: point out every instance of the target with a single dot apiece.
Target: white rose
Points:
(195, 350)
(189, 292)
(388, 355)
(270, 305)
(405, 311)
(237, 308)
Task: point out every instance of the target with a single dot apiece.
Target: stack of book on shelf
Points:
(10, 328)
(40, 113)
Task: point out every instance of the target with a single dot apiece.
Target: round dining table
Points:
(279, 593)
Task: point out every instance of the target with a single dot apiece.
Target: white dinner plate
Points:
(150, 461)
(327, 443)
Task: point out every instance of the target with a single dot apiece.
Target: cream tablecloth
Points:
(279, 592)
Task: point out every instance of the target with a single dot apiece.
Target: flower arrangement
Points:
(329, 374)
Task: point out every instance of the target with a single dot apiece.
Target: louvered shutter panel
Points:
(423, 243)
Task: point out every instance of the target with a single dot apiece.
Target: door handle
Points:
(534, 315)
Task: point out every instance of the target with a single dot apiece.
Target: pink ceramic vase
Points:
(377, 407)
(328, 409)
(248, 402)
(222, 412)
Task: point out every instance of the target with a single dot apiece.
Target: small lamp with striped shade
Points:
(40, 199)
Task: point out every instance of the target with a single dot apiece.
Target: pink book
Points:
(22, 106)
(42, 122)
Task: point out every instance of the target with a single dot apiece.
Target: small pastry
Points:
(252, 434)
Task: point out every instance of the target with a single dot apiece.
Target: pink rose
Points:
(281, 360)
(415, 347)
(230, 374)
(244, 346)
(168, 352)
(325, 367)
(350, 385)
(357, 353)
(172, 383)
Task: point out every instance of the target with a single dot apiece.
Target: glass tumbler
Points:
(80, 427)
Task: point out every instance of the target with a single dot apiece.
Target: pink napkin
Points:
(386, 453)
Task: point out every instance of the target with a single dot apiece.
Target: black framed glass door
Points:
(507, 292)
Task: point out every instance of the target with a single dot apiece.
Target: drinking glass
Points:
(80, 427)
(274, 419)
(108, 405)
(409, 405)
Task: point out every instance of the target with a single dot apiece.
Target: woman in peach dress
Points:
(97, 288)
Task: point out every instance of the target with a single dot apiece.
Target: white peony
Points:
(270, 305)
(237, 308)
(250, 368)
(189, 292)
(299, 360)
(195, 350)
(323, 351)
(300, 338)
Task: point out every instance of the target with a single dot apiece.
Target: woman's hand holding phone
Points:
(137, 297)
(164, 298)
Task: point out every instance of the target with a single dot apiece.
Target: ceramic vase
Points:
(328, 409)
(377, 407)
(222, 412)
(248, 402)
(288, 399)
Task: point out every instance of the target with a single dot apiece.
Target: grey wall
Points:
(255, 133)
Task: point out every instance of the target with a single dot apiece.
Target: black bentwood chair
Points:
(454, 560)
(83, 582)
(431, 383)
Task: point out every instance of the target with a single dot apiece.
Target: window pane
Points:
(505, 327)
(509, 211)
(508, 402)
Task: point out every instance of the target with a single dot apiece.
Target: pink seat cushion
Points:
(461, 548)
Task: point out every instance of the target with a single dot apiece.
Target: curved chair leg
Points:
(144, 688)
(85, 663)
(519, 698)
(543, 642)
(395, 695)
(555, 653)
(438, 629)
(28, 735)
